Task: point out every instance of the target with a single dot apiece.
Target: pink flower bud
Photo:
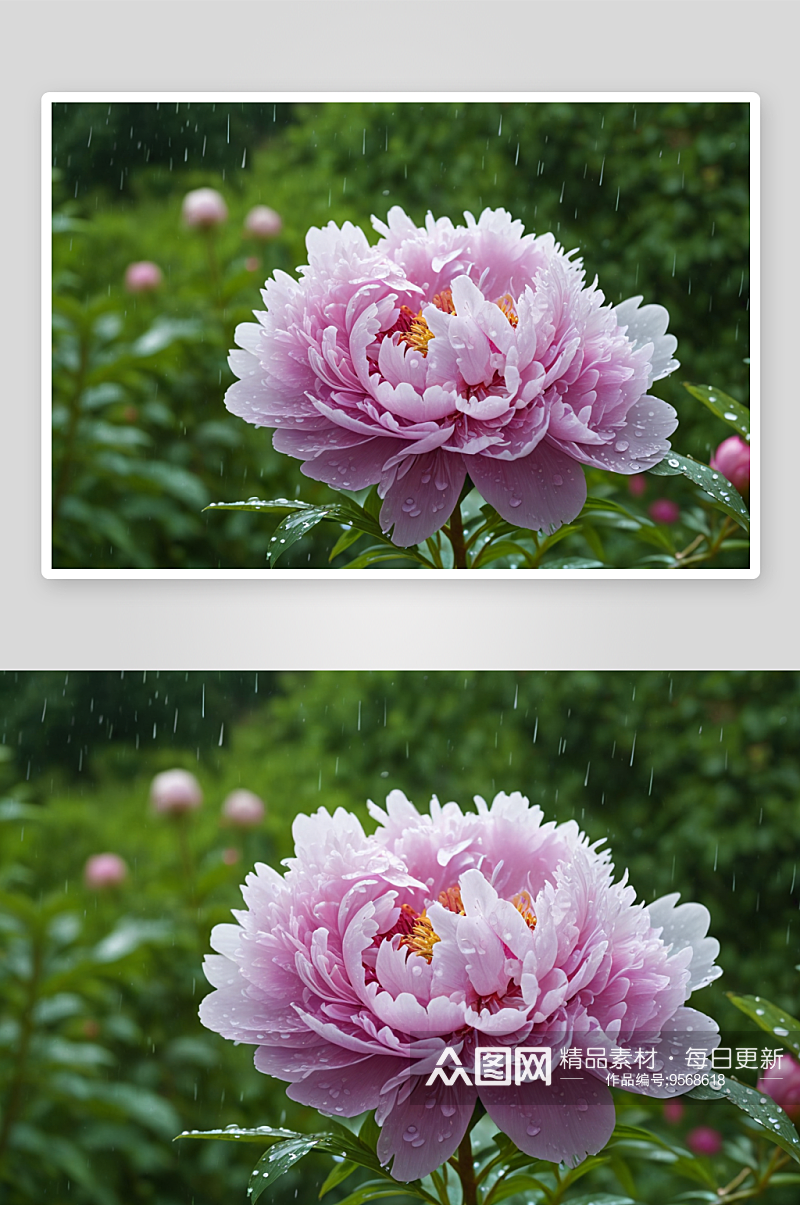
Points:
(704, 1141)
(230, 856)
(673, 1111)
(263, 222)
(732, 459)
(663, 510)
(781, 1081)
(104, 870)
(204, 207)
(637, 484)
(243, 809)
(252, 263)
(175, 791)
(143, 277)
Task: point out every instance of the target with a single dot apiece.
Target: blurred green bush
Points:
(656, 196)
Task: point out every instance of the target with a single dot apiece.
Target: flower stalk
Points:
(466, 1171)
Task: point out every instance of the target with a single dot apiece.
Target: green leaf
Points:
(380, 552)
(277, 1161)
(378, 1188)
(373, 503)
(278, 506)
(503, 548)
(13, 809)
(348, 537)
(293, 528)
(725, 495)
(601, 1198)
(725, 407)
(769, 1116)
(338, 1173)
(234, 1133)
(162, 333)
(128, 936)
(571, 562)
(370, 1132)
(771, 1018)
(511, 1186)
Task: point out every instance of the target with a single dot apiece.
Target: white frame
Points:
(51, 98)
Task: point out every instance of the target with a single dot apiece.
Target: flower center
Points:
(417, 933)
(415, 332)
(524, 905)
(422, 936)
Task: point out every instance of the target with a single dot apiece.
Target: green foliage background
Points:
(656, 196)
(692, 777)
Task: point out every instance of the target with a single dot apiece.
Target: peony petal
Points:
(423, 1131)
(351, 468)
(418, 503)
(539, 491)
(345, 1091)
(564, 1122)
(687, 925)
(649, 325)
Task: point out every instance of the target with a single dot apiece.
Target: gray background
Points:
(372, 45)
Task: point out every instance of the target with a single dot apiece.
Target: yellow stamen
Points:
(524, 905)
(506, 304)
(423, 936)
(450, 899)
(415, 331)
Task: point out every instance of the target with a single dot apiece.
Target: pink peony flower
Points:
(447, 351)
(732, 459)
(781, 1081)
(354, 971)
(175, 791)
(704, 1141)
(104, 870)
(243, 809)
(664, 510)
(204, 207)
(637, 485)
(263, 222)
(142, 277)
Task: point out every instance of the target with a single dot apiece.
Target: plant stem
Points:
(466, 1171)
(455, 533)
(14, 1098)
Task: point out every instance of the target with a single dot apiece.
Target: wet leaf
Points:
(293, 528)
(277, 1161)
(724, 406)
(769, 1116)
(571, 562)
(233, 1133)
(725, 495)
(774, 1020)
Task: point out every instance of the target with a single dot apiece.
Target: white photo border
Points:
(51, 98)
